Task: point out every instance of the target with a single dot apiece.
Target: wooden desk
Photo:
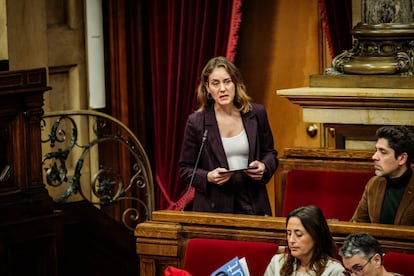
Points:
(162, 241)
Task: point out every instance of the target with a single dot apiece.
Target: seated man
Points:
(362, 255)
(389, 196)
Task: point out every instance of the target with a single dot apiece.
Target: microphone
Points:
(203, 140)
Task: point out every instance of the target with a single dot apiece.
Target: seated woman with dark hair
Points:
(312, 249)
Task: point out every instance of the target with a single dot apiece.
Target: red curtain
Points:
(337, 24)
(183, 36)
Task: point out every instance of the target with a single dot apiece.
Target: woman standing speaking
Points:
(237, 157)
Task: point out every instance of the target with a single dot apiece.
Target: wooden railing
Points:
(162, 241)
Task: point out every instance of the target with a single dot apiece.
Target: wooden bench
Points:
(337, 193)
(163, 241)
(204, 256)
(317, 159)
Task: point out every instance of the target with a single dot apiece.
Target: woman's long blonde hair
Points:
(241, 99)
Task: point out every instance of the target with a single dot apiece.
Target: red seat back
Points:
(337, 193)
(402, 263)
(204, 256)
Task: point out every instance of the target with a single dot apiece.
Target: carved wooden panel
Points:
(30, 229)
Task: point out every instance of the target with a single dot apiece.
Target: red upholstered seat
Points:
(337, 193)
(203, 256)
(402, 263)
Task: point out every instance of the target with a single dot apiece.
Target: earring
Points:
(209, 97)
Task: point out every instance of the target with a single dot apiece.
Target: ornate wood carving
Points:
(30, 230)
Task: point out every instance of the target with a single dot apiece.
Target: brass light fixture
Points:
(383, 42)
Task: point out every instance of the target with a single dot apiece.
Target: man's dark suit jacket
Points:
(210, 197)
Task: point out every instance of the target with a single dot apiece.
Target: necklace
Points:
(306, 272)
(298, 273)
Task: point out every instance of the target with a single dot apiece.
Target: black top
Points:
(392, 198)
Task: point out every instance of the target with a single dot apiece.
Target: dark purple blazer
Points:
(210, 197)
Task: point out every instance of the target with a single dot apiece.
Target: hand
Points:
(218, 178)
(256, 174)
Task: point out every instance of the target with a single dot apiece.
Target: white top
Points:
(273, 269)
(237, 150)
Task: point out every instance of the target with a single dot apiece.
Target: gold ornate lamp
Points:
(383, 42)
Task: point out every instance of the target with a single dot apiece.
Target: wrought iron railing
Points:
(84, 157)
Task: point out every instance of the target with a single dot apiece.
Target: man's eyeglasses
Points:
(358, 269)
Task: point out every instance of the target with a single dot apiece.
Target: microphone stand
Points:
(203, 140)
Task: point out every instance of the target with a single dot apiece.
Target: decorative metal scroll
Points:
(72, 143)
